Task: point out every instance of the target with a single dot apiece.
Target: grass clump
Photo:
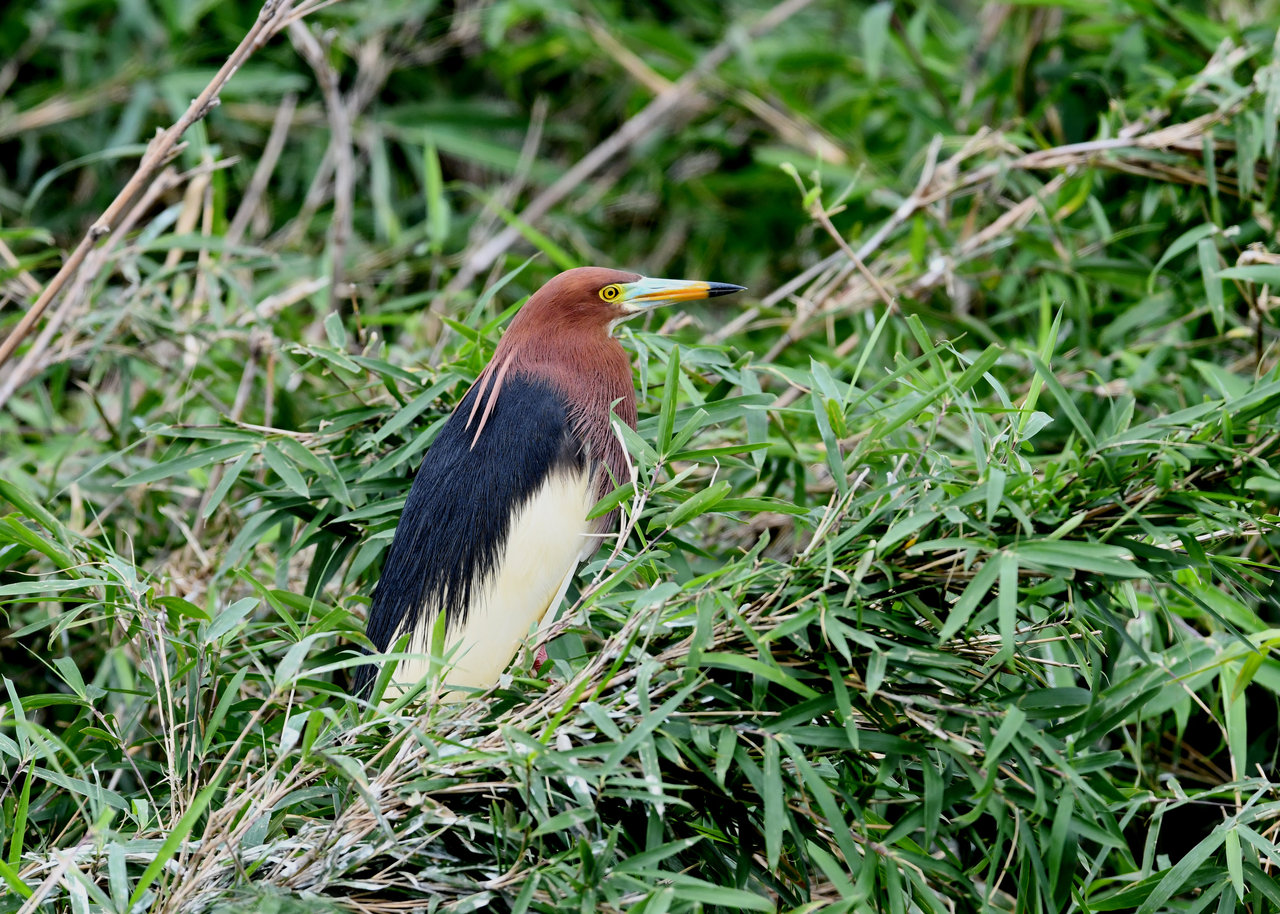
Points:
(949, 572)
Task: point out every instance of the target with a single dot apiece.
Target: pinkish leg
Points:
(539, 659)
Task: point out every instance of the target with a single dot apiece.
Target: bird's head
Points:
(594, 298)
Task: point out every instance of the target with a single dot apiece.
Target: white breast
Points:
(547, 539)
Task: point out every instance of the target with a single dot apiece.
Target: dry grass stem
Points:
(162, 148)
(342, 153)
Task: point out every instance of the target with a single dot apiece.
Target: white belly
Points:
(547, 539)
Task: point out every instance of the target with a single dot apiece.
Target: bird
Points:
(496, 520)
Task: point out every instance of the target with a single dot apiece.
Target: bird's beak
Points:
(646, 293)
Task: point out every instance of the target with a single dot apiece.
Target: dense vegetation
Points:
(949, 580)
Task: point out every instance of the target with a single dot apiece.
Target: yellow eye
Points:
(611, 293)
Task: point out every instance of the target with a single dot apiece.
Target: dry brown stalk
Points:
(791, 127)
(59, 109)
(340, 115)
(505, 197)
(25, 279)
(275, 15)
(262, 172)
(36, 358)
(374, 66)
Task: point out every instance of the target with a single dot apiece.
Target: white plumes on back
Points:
(548, 537)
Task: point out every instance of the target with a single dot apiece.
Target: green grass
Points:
(950, 576)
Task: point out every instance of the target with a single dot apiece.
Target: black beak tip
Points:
(723, 288)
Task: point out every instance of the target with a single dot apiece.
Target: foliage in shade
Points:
(949, 580)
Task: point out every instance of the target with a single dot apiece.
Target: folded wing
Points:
(492, 531)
